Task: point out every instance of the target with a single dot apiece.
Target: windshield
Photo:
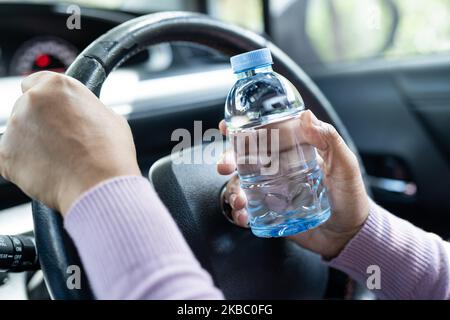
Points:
(247, 14)
(127, 5)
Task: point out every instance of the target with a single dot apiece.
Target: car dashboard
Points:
(161, 79)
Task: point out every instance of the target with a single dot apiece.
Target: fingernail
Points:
(238, 198)
(242, 219)
(238, 216)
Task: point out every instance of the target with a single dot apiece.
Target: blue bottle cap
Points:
(251, 60)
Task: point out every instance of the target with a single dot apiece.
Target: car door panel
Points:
(400, 112)
(428, 93)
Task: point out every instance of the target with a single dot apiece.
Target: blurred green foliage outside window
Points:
(348, 30)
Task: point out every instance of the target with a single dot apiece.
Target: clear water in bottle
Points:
(278, 171)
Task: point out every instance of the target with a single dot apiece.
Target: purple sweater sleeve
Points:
(130, 246)
(132, 249)
(413, 264)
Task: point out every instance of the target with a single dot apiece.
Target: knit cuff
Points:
(400, 252)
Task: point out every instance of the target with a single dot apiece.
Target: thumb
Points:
(328, 142)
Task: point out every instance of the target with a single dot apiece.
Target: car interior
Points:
(377, 70)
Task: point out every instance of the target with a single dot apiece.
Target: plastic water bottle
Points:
(278, 171)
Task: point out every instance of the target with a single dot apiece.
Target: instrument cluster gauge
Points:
(42, 53)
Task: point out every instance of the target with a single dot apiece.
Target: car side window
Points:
(248, 14)
(353, 30)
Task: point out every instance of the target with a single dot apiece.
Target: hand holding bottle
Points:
(342, 177)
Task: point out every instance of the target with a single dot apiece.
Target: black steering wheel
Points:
(242, 265)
